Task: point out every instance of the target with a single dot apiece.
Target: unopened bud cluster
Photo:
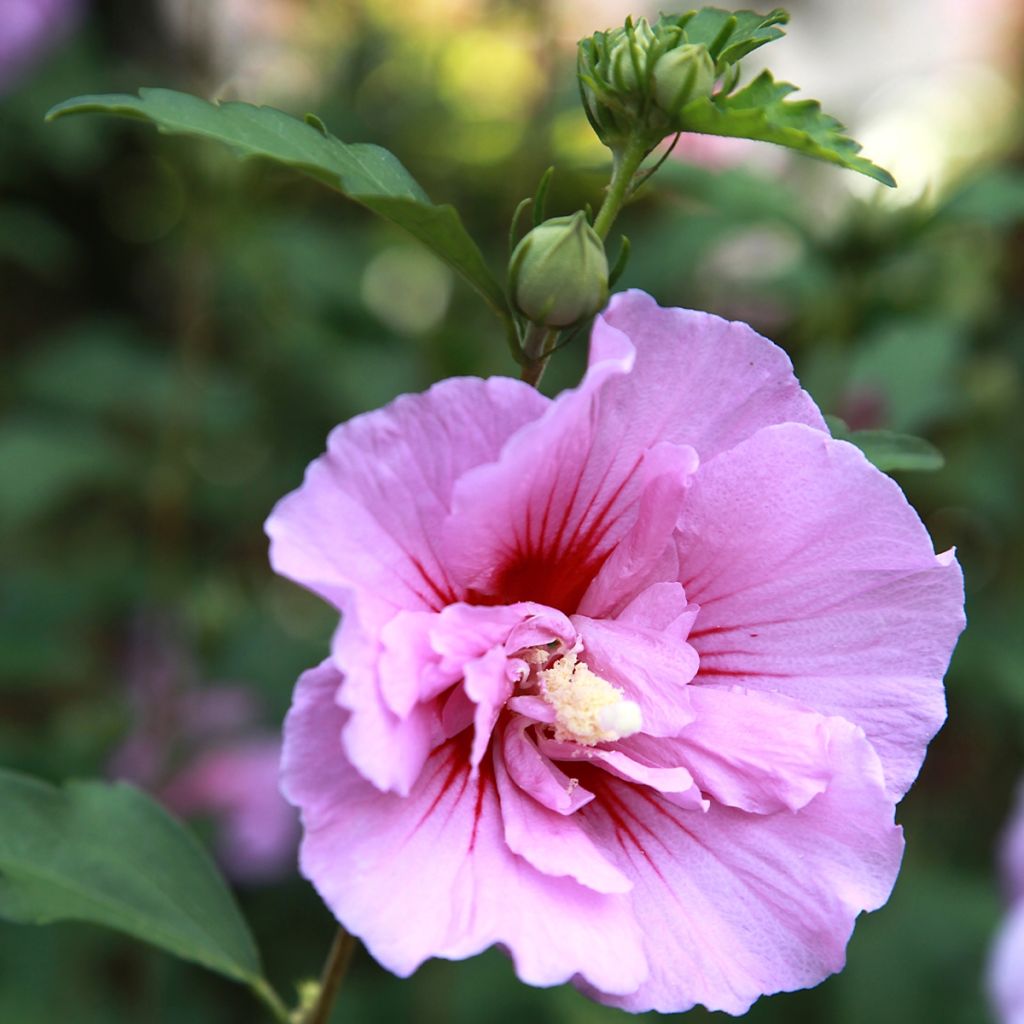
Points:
(558, 274)
(638, 79)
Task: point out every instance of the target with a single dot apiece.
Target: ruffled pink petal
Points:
(700, 380)
(397, 664)
(533, 707)
(535, 774)
(431, 874)
(755, 751)
(1006, 969)
(539, 627)
(457, 713)
(553, 843)
(369, 511)
(424, 653)
(390, 752)
(409, 668)
(652, 666)
(462, 632)
(488, 687)
(816, 579)
(661, 606)
(388, 749)
(736, 905)
(674, 782)
(645, 555)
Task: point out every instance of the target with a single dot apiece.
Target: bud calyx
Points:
(637, 79)
(558, 273)
(683, 73)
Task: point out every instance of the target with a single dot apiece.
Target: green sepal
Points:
(540, 200)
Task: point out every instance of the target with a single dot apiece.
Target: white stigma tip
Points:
(623, 719)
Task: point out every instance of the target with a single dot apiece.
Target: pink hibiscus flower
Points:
(627, 682)
(1006, 970)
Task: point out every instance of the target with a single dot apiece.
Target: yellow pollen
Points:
(588, 709)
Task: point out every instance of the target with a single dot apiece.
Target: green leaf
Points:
(52, 462)
(731, 35)
(914, 365)
(995, 198)
(52, 246)
(107, 854)
(365, 173)
(761, 111)
(889, 451)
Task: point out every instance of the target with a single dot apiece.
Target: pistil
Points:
(588, 709)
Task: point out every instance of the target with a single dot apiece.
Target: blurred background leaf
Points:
(888, 450)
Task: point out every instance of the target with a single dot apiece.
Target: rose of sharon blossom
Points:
(1006, 971)
(627, 682)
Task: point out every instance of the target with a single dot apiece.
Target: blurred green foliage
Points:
(181, 331)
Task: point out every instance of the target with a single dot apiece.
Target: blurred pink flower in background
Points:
(718, 151)
(1012, 853)
(202, 752)
(1006, 971)
(863, 407)
(236, 783)
(28, 30)
(627, 682)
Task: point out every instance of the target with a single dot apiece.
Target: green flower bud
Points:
(627, 53)
(683, 74)
(558, 274)
(636, 80)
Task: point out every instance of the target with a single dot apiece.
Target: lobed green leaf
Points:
(731, 35)
(108, 854)
(367, 174)
(761, 111)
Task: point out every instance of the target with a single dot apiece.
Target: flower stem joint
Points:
(638, 78)
(558, 274)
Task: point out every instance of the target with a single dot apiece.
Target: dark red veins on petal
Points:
(557, 570)
(484, 779)
(738, 673)
(442, 596)
(453, 763)
(630, 831)
(452, 775)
